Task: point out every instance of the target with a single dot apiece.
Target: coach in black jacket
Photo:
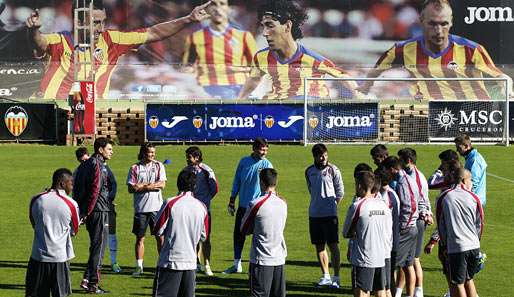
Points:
(91, 192)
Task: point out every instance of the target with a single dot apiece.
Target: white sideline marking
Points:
(502, 178)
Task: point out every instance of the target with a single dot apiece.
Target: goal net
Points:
(406, 110)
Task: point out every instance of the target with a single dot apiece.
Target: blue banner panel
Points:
(224, 122)
(340, 122)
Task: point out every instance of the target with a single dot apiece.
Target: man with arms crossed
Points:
(460, 220)
(55, 218)
(326, 189)
(182, 222)
(369, 223)
(145, 180)
(206, 188)
(265, 218)
(246, 185)
(91, 191)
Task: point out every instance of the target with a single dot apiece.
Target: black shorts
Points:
(43, 278)
(463, 266)
(141, 222)
(368, 279)
(420, 224)
(443, 257)
(112, 221)
(267, 281)
(407, 247)
(324, 230)
(174, 283)
(387, 272)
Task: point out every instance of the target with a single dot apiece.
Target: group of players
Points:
(227, 65)
(385, 222)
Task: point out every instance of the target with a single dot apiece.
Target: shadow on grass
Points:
(12, 287)
(13, 264)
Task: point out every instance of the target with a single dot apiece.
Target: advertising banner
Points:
(244, 122)
(478, 119)
(224, 122)
(340, 122)
(28, 122)
(83, 107)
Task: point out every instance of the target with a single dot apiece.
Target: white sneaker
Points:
(233, 269)
(138, 272)
(335, 285)
(208, 270)
(447, 294)
(323, 282)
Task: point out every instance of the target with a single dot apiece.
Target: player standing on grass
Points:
(109, 46)
(82, 155)
(408, 158)
(285, 60)
(206, 187)
(326, 189)
(408, 193)
(475, 163)
(182, 222)
(91, 191)
(146, 179)
(55, 218)
(460, 220)
(265, 218)
(437, 53)
(246, 185)
(368, 222)
(220, 53)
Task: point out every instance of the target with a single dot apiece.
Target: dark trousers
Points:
(267, 281)
(97, 225)
(174, 283)
(239, 238)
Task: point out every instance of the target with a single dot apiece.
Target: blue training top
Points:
(477, 165)
(246, 180)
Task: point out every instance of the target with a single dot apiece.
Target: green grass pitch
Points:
(27, 170)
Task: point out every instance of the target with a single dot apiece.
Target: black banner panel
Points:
(28, 122)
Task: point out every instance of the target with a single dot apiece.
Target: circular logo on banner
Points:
(445, 119)
(153, 122)
(16, 120)
(313, 121)
(197, 122)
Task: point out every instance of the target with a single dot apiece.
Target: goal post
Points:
(407, 110)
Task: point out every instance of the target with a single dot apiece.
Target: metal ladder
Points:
(83, 40)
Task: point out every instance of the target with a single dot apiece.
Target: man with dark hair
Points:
(437, 53)
(393, 202)
(475, 163)
(109, 46)
(408, 158)
(285, 60)
(246, 185)
(326, 189)
(265, 218)
(182, 222)
(82, 154)
(436, 180)
(206, 188)
(368, 222)
(378, 153)
(460, 219)
(408, 194)
(220, 41)
(145, 180)
(92, 194)
(55, 218)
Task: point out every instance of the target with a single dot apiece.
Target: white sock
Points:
(237, 263)
(113, 248)
(398, 292)
(139, 263)
(326, 275)
(418, 292)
